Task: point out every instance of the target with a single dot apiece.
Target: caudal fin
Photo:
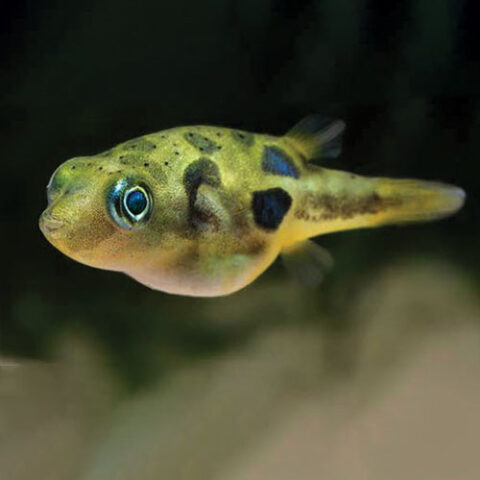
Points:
(317, 137)
(417, 200)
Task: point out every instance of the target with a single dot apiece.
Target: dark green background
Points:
(80, 77)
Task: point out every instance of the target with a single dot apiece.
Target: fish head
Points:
(108, 214)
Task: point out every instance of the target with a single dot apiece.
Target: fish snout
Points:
(51, 224)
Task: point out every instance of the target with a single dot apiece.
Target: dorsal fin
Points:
(317, 137)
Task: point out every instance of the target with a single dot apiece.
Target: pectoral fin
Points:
(307, 262)
(208, 211)
(202, 181)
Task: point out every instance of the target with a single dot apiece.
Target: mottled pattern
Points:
(270, 207)
(201, 142)
(330, 207)
(140, 144)
(278, 162)
(245, 138)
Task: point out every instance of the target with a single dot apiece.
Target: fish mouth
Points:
(50, 225)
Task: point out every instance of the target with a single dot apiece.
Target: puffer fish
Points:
(204, 210)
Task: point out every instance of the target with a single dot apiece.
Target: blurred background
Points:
(374, 375)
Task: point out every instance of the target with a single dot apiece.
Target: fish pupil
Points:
(136, 202)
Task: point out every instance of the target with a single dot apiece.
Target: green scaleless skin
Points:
(222, 205)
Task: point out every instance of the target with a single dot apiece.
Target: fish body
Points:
(205, 210)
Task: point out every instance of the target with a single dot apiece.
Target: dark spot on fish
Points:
(73, 167)
(100, 168)
(245, 138)
(166, 163)
(219, 134)
(201, 143)
(198, 172)
(276, 161)
(270, 207)
(146, 164)
(177, 153)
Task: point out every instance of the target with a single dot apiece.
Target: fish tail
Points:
(416, 200)
(336, 200)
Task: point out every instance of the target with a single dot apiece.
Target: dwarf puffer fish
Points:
(204, 210)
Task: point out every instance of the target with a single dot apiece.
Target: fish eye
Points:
(136, 203)
(129, 205)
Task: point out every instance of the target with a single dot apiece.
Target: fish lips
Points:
(50, 225)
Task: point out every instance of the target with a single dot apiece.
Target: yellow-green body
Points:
(203, 236)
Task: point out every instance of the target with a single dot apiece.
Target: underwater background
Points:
(374, 375)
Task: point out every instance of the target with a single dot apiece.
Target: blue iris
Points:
(129, 207)
(136, 202)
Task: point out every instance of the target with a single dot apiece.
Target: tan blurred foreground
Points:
(273, 410)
